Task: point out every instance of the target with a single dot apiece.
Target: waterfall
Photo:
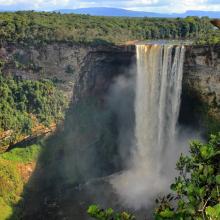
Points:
(158, 90)
(157, 104)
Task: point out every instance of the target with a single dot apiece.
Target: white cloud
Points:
(180, 6)
(141, 5)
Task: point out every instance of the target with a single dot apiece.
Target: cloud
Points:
(141, 5)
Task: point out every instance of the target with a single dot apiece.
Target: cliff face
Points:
(201, 81)
(64, 64)
(81, 70)
(77, 70)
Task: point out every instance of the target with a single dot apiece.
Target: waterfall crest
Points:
(158, 91)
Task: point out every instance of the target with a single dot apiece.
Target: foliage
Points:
(213, 213)
(95, 212)
(11, 186)
(210, 37)
(42, 27)
(11, 181)
(211, 124)
(197, 187)
(24, 101)
(22, 155)
(5, 210)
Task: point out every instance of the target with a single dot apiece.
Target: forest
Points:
(32, 27)
(24, 103)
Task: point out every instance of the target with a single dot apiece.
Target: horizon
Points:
(137, 10)
(113, 8)
(155, 6)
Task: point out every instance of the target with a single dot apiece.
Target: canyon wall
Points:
(77, 70)
(81, 70)
(65, 64)
(201, 86)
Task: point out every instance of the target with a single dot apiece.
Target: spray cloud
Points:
(157, 147)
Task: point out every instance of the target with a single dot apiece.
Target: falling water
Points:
(159, 85)
(158, 91)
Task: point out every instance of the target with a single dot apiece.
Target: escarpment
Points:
(64, 64)
(201, 85)
(76, 70)
(82, 70)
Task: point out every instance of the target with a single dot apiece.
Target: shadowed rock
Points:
(216, 22)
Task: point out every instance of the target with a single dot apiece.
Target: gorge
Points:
(93, 70)
(92, 78)
(96, 115)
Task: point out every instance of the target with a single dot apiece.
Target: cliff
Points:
(77, 70)
(81, 70)
(63, 63)
(201, 84)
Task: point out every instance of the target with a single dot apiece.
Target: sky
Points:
(161, 6)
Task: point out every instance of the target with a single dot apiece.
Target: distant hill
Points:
(211, 14)
(102, 11)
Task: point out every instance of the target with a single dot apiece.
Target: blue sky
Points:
(140, 5)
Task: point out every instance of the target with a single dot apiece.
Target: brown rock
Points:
(216, 22)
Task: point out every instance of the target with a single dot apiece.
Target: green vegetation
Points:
(197, 188)
(37, 27)
(11, 180)
(22, 155)
(210, 37)
(5, 210)
(207, 119)
(95, 212)
(11, 186)
(25, 102)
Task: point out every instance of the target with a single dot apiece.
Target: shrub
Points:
(196, 188)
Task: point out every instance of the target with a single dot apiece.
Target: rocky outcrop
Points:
(10, 138)
(201, 80)
(78, 70)
(65, 64)
(216, 22)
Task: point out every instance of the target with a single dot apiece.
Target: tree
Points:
(197, 188)
(100, 214)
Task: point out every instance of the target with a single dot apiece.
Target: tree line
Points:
(37, 27)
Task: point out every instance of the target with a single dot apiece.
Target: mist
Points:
(120, 99)
(149, 161)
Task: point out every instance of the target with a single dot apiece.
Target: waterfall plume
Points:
(157, 104)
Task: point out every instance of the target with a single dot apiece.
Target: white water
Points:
(158, 91)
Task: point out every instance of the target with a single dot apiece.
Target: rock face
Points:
(201, 81)
(81, 70)
(216, 22)
(66, 65)
(78, 70)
